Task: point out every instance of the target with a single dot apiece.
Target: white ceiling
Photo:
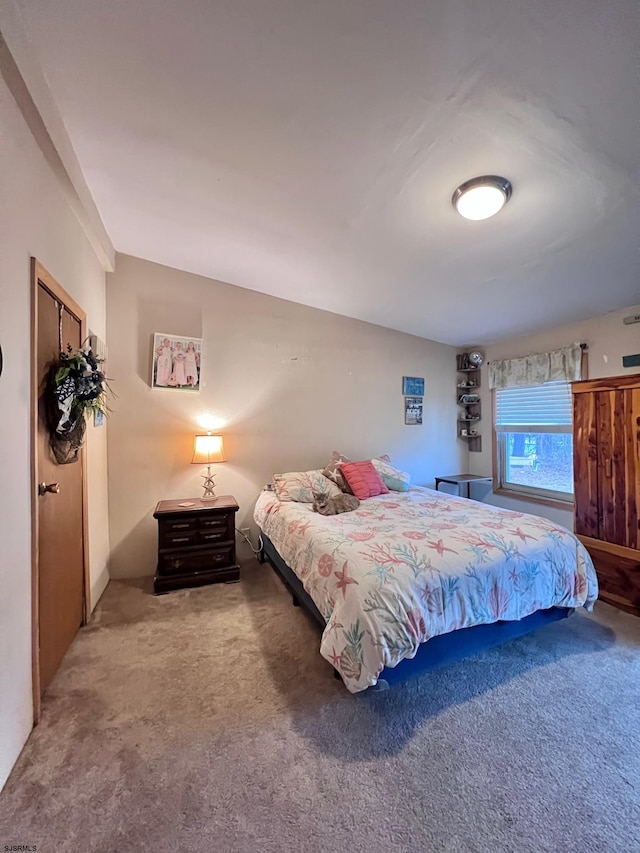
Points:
(309, 149)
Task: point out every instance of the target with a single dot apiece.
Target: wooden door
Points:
(618, 428)
(59, 527)
(585, 466)
(607, 483)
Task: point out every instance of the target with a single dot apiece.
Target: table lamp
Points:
(207, 450)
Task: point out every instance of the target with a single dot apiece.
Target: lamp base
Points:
(209, 486)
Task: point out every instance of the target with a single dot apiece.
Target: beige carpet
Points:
(206, 720)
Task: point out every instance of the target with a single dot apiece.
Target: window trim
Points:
(519, 492)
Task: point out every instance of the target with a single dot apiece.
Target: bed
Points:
(416, 579)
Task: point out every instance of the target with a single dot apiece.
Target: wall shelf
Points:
(468, 384)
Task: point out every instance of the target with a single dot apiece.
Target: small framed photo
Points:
(98, 419)
(413, 410)
(412, 386)
(176, 362)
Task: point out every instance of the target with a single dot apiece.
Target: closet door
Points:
(632, 465)
(618, 432)
(585, 465)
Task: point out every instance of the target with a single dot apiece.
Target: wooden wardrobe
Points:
(606, 469)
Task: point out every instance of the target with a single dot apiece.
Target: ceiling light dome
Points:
(482, 197)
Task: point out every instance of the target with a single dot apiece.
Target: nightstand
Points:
(463, 482)
(196, 543)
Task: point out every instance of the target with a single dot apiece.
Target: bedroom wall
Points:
(608, 340)
(294, 383)
(35, 219)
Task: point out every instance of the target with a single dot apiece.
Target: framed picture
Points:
(176, 362)
(413, 410)
(412, 386)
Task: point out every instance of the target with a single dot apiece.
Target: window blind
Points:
(543, 408)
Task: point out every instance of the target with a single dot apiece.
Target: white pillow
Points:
(393, 478)
(299, 486)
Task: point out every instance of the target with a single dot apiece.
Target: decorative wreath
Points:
(78, 388)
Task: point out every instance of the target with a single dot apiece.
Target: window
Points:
(534, 440)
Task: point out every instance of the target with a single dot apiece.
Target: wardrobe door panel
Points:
(617, 416)
(585, 465)
(632, 465)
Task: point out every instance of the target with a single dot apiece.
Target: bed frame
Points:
(438, 651)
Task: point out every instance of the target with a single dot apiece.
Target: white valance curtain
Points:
(559, 365)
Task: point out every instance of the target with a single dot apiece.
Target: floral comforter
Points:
(407, 567)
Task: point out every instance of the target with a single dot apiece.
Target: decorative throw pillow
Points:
(299, 486)
(393, 478)
(333, 472)
(364, 480)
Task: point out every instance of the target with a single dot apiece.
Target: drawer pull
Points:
(180, 539)
(179, 526)
(213, 535)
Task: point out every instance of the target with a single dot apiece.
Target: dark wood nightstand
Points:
(196, 543)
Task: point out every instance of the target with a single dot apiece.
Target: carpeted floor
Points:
(206, 720)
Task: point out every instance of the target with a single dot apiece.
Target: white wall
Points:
(294, 382)
(35, 219)
(608, 340)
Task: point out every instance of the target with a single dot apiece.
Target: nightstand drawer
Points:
(196, 561)
(177, 525)
(215, 536)
(215, 522)
(178, 538)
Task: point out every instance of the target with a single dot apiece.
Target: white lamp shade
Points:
(208, 449)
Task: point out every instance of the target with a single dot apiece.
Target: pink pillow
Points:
(363, 479)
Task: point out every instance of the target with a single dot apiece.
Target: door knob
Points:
(43, 488)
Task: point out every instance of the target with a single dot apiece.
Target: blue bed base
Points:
(438, 651)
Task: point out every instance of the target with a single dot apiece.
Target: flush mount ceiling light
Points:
(482, 197)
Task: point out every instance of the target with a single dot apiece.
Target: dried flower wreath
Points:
(78, 389)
